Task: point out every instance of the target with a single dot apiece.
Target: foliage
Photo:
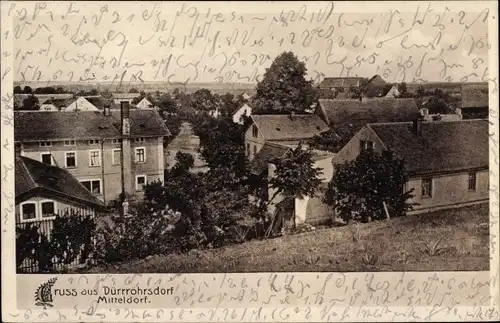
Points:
(18, 89)
(28, 90)
(295, 175)
(140, 233)
(204, 101)
(31, 103)
(360, 188)
(70, 239)
(335, 138)
(403, 90)
(284, 88)
(133, 90)
(167, 105)
(355, 92)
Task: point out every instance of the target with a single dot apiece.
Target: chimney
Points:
(107, 111)
(417, 127)
(292, 115)
(126, 158)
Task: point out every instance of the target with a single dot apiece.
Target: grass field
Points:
(440, 241)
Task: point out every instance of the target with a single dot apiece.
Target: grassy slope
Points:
(464, 234)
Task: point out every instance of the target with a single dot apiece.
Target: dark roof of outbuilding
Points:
(288, 127)
(267, 153)
(31, 175)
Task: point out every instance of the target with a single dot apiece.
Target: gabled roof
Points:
(32, 126)
(368, 110)
(59, 103)
(288, 127)
(442, 147)
(34, 177)
(329, 82)
(268, 152)
(377, 80)
(474, 97)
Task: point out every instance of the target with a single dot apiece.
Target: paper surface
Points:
(174, 45)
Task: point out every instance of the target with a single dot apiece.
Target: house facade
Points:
(244, 111)
(80, 104)
(447, 162)
(108, 152)
(43, 191)
(118, 98)
(144, 104)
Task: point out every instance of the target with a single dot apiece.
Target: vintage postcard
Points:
(249, 161)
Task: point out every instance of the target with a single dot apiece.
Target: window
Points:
(472, 181)
(255, 131)
(28, 211)
(140, 139)
(70, 143)
(94, 142)
(140, 181)
(365, 145)
(248, 149)
(140, 155)
(48, 209)
(46, 144)
(46, 158)
(70, 158)
(117, 156)
(94, 158)
(427, 187)
(116, 141)
(254, 150)
(93, 186)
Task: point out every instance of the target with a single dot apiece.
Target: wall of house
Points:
(257, 142)
(109, 172)
(81, 104)
(352, 149)
(245, 110)
(393, 92)
(60, 206)
(449, 190)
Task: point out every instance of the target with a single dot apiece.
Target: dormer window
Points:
(46, 144)
(140, 139)
(93, 142)
(255, 131)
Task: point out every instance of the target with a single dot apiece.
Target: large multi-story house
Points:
(447, 161)
(108, 151)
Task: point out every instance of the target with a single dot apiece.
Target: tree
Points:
(133, 90)
(295, 175)
(335, 138)
(420, 91)
(284, 87)
(18, 89)
(365, 188)
(28, 90)
(31, 103)
(403, 90)
(167, 105)
(204, 101)
(355, 92)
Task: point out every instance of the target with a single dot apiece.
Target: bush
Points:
(71, 239)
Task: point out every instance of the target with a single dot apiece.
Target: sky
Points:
(227, 42)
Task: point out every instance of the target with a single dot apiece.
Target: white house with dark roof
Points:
(107, 151)
(447, 161)
(43, 190)
(244, 111)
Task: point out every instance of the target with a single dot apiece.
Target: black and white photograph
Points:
(250, 137)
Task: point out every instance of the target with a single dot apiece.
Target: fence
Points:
(49, 245)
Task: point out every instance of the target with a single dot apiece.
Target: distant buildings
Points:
(474, 102)
(447, 161)
(107, 151)
(124, 97)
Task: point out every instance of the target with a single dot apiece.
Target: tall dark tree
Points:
(284, 87)
(31, 103)
(334, 138)
(369, 188)
(204, 101)
(133, 90)
(28, 90)
(18, 89)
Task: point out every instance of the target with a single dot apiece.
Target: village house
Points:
(109, 152)
(43, 191)
(271, 137)
(447, 162)
(244, 111)
(118, 98)
(377, 87)
(80, 104)
(144, 104)
(56, 104)
(339, 87)
(474, 103)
